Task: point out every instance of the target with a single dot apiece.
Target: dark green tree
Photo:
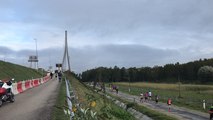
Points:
(205, 74)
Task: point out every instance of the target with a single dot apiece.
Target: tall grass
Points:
(168, 86)
(106, 109)
(191, 96)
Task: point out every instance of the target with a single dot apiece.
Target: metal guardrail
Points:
(69, 99)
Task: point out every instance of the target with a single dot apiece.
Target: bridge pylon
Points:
(66, 57)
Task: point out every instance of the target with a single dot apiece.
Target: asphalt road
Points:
(33, 104)
(177, 112)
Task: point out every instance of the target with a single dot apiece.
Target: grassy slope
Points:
(9, 70)
(191, 95)
(113, 112)
(58, 113)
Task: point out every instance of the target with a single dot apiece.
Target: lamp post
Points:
(179, 82)
(36, 53)
(129, 84)
(128, 78)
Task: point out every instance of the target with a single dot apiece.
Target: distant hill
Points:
(10, 70)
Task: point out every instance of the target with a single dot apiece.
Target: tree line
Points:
(200, 71)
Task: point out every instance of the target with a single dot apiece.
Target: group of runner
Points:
(57, 74)
(147, 96)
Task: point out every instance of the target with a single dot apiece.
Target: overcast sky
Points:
(126, 33)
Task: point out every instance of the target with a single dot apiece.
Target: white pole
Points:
(36, 53)
(204, 104)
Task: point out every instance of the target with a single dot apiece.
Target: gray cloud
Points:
(90, 57)
(116, 15)
(106, 55)
(107, 32)
(120, 55)
(47, 57)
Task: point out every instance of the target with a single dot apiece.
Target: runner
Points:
(150, 95)
(141, 97)
(59, 76)
(146, 96)
(110, 87)
(169, 102)
(113, 88)
(156, 98)
(116, 89)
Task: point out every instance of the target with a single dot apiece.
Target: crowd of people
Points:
(58, 74)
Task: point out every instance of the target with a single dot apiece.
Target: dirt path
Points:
(178, 112)
(33, 104)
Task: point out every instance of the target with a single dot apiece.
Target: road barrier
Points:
(36, 82)
(27, 84)
(21, 86)
(69, 99)
(41, 80)
(14, 90)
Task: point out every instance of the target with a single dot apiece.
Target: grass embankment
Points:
(87, 98)
(10, 70)
(58, 113)
(155, 115)
(191, 97)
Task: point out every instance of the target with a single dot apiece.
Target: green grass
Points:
(191, 95)
(155, 115)
(106, 109)
(10, 70)
(58, 113)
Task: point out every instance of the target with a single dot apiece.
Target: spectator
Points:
(1, 83)
(51, 75)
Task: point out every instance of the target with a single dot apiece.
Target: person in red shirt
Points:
(169, 103)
